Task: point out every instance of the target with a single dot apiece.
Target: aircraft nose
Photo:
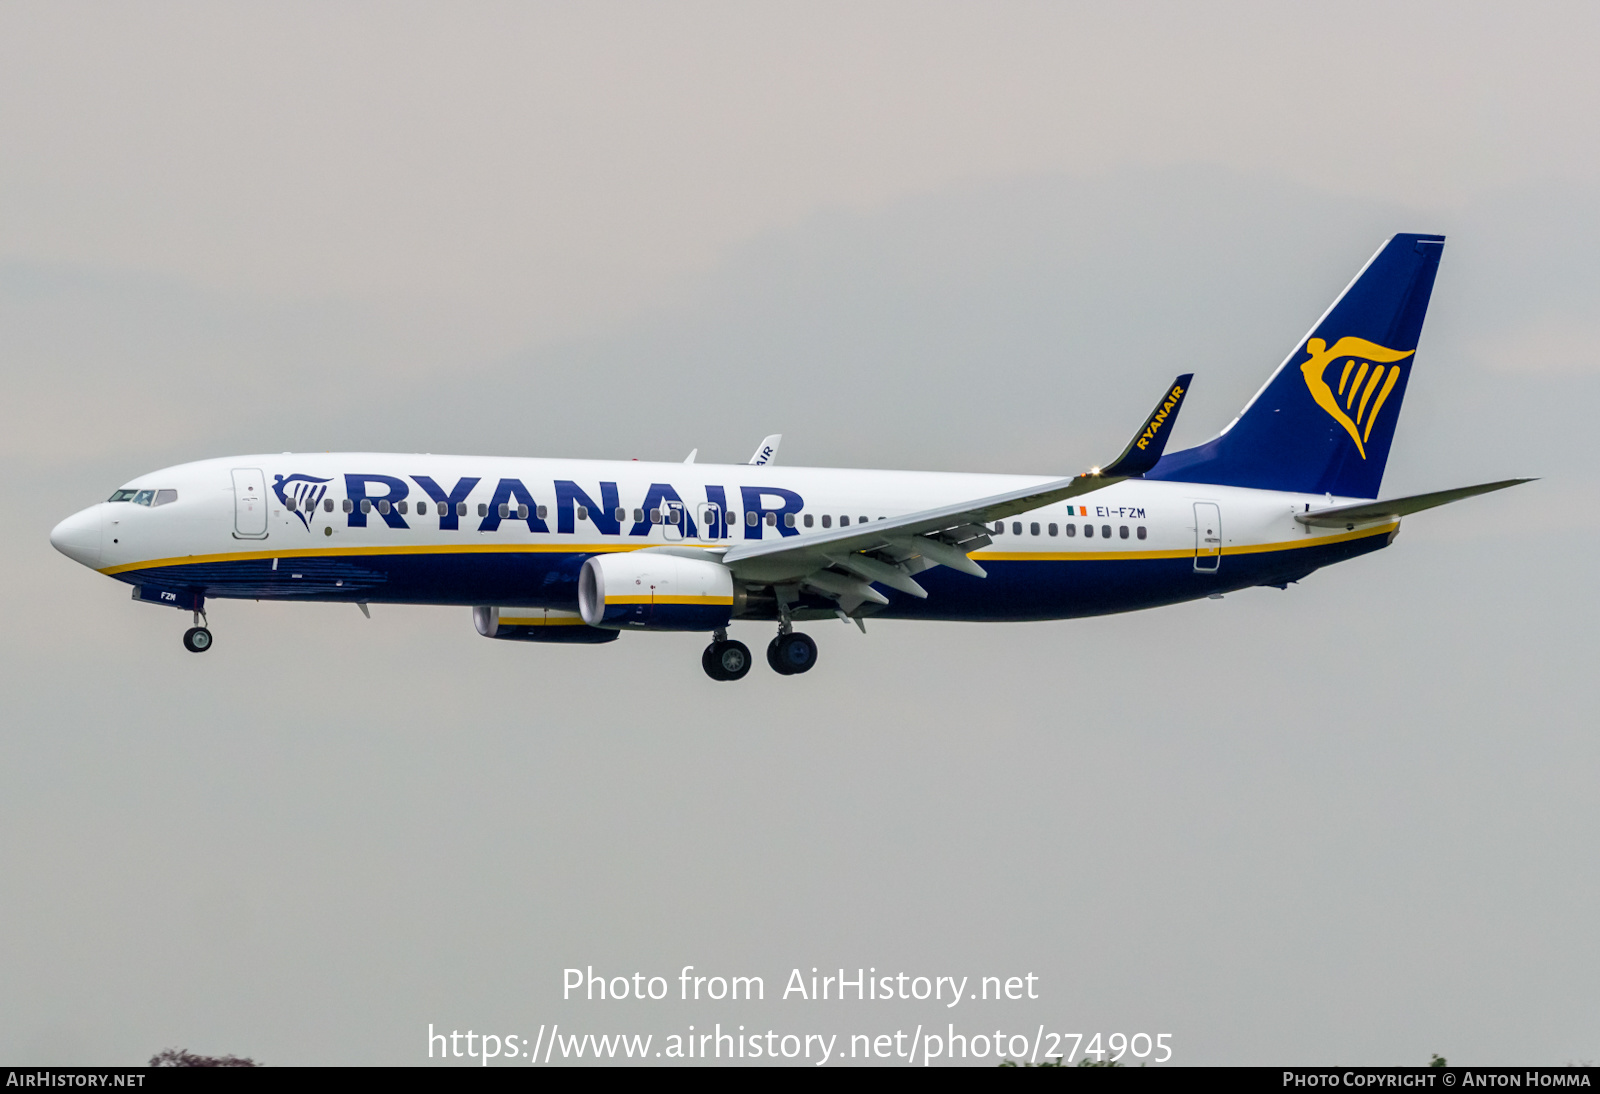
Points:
(78, 537)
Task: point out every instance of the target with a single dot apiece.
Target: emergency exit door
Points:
(1207, 537)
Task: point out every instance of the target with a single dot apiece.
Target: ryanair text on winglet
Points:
(1159, 418)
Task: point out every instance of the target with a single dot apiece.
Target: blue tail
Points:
(1324, 422)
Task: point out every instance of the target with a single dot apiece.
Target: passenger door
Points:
(1207, 537)
(249, 503)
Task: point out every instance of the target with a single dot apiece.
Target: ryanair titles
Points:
(399, 501)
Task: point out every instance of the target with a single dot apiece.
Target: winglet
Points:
(766, 451)
(1147, 445)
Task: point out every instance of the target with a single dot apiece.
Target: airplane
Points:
(579, 551)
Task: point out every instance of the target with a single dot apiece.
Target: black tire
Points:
(733, 659)
(796, 652)
(773, 659)
(197, 640)
(708, 661)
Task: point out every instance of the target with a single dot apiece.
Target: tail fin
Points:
(1324, 421)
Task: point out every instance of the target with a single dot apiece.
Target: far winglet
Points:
(1147, 445)
(766, 451)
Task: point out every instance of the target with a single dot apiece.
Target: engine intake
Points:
(654, 590)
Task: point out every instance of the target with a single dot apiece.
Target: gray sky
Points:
(1351, 821)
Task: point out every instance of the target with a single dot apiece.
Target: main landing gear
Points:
(197, 639)
(725, 659)
(789, 654)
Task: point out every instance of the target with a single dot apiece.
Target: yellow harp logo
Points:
(1374, 373)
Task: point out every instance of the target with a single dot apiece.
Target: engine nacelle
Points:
(537, 625)
(654, 590)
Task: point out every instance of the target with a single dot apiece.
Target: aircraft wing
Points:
(1368, 511)
(844, 563)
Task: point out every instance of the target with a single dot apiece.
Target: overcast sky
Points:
(1352, 821)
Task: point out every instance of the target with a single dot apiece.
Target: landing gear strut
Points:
(791, 653)
(725, 659)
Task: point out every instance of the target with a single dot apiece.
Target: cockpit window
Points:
(145, 497)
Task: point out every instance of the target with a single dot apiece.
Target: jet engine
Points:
(537, 625)
(655, 590)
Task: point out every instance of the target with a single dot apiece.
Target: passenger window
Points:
(483, 509)
(620, 515)
(1105, 530)
(366, 505)
(289, 504)
(827, 520)
(402, 507)
(844, 522)
(544, 511)
(638, 516)
(1123, 531)
(788, 520)
(1071, 530)
(383, 506)
(1033, 529)
(1088, 530)
(1016, 527)
(1052, 529)
(1141, 531)
(327, 504)
(348, 505)
(165, 497)
(655, 516)
(461, 508)
(863, 520)
(999, 527)
(504, 510)
(522, 512)
(751, 519)
(772, 520)
(582, 512)
(144, 497)
(808, 520)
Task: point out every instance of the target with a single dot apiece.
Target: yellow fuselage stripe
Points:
(605, 548)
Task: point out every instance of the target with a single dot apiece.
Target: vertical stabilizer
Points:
(1324, 421)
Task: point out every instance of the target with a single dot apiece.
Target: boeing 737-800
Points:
(551, 550)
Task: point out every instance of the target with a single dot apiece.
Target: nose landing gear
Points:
(197, 639)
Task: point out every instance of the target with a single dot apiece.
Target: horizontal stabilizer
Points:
(1145, 449)
(1367, 511)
